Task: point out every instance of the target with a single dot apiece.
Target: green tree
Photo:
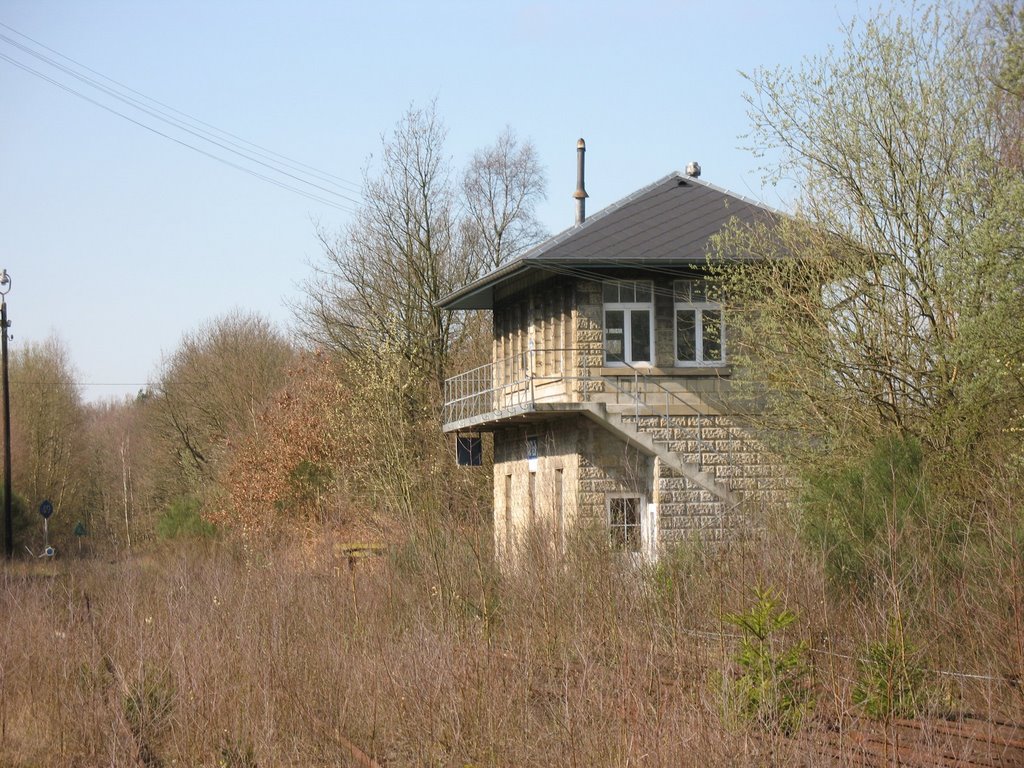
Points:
(890, 300)
(773, 687)
(857, 515)
(47, 444)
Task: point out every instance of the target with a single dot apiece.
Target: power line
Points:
(283, 166)
(150, 128)
(200, 134)
(354, 187)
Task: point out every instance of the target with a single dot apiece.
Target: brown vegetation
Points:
(348, 608)
(427, 655)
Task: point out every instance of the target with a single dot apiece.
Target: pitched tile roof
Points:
(667, 222)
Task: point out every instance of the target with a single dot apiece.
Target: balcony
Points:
(549, 381)
(503, 389)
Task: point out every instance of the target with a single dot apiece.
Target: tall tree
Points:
(213, 389)
(384, 274)
(887, 303)
(502, 186)
(416, 238)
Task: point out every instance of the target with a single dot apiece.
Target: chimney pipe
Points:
(580, 194)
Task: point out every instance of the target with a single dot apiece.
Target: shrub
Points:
(773, 688)
(889, 681)
(183, 520)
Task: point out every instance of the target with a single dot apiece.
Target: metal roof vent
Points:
(693, 169)
(580, 194)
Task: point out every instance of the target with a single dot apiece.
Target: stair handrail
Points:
(735, 433)
(465, 393)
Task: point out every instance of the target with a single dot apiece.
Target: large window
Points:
(628, 326)
(624, 523)
(700, 330)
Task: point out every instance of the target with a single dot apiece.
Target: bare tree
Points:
(501, 187)
(384, 274)
(417, 238)
(213, 389)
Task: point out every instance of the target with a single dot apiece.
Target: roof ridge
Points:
(609, 209)
(660, 198)
(730, 193)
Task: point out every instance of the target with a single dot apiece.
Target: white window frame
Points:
(683, 301)
(628, 308)
(643, 524)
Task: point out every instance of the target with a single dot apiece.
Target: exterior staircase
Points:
(688, 431)
(631, 431)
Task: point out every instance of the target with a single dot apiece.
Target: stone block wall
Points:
(589, 337)
(549, 497)
(607, 465)
(735, 458)
(544, 315)
(687, 511)
(578, 463)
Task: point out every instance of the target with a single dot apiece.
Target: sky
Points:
(119, 240)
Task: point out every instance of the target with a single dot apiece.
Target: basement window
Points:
(628, 322)
(699, 325)
(624, 522)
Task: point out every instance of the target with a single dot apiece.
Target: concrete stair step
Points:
(645, 442)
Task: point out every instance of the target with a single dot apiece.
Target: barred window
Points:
(624, 523)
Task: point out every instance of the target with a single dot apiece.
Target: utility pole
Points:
(5, 286)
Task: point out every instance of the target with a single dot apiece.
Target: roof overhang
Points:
(665, 224)
(480, 293)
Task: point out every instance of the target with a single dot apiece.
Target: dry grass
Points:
(217, 656)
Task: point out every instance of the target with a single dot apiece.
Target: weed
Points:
(237, 754)
(148, 708)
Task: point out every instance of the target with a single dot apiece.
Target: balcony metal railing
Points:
(518, 382)
(476, 392)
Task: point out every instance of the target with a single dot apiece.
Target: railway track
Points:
(967, 742)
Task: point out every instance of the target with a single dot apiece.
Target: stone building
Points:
(607, 390)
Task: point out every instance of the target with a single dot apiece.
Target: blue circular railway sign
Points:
(46, 509)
